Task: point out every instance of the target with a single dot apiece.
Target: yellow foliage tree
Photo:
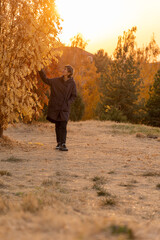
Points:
(78, 41)
(88, 81)
(28, 41)
(149, 66)
(148, 72)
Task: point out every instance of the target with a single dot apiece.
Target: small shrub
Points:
(134, 181)
(151, 174)
(115, 114)
(64, 190)
(31, 203)
(19, 194)
(12, 159)
(47, 183)
(4, 172)
(109, 201)
(95, 179)
(152, 136)
(111, 172)
(77, 109)
(158, 186)
(75, 176)
(97, 187)
(128, 185)
(99, 180)
(122, 229)
(140, 135)
(103, 193)
(58, 174)
(2, 185)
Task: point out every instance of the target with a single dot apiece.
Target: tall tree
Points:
(122, 81)
(89, 81)
(153, 103)
(102, 60)
(86, 76)
(148, 57)
(28, 41)
(79, 41)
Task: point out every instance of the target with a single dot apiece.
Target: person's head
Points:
(68, 71)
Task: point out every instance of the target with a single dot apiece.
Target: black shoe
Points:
(63, 147)
(58, 146)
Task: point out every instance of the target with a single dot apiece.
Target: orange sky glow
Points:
(102, 21)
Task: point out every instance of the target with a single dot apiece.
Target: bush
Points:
(116, 115)
(77, 109)
(110, 113)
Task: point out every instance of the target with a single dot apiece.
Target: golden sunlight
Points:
(93, 17)
(101, 22)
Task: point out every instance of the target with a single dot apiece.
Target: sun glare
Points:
(92, 18)
(100, 21)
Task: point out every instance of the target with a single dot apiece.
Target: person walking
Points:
(63, 93)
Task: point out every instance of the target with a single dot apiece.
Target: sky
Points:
(102, 21)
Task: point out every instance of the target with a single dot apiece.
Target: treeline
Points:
(129, 82)
(122, 88)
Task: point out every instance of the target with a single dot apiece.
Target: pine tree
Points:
(122, 81)
(153, 103)
(102, 61)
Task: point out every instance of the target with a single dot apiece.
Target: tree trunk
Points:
(1, 131)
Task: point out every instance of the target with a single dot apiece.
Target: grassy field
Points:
(107, 186)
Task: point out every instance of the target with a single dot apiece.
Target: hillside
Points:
(72, 55)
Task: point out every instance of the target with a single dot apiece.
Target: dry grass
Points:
(140, 130)
(4, 206)
(31, 203)
(8, 142)
(100, 189)
(108, 198)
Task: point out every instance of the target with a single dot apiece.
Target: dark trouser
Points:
(61, 131)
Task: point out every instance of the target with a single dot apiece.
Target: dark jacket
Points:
(62, 95)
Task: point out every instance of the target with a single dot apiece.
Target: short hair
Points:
(70, 70)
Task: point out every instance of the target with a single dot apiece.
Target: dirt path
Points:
(107, 186)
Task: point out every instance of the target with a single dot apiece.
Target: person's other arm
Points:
(44, 78)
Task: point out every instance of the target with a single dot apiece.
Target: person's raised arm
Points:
(44, 78)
